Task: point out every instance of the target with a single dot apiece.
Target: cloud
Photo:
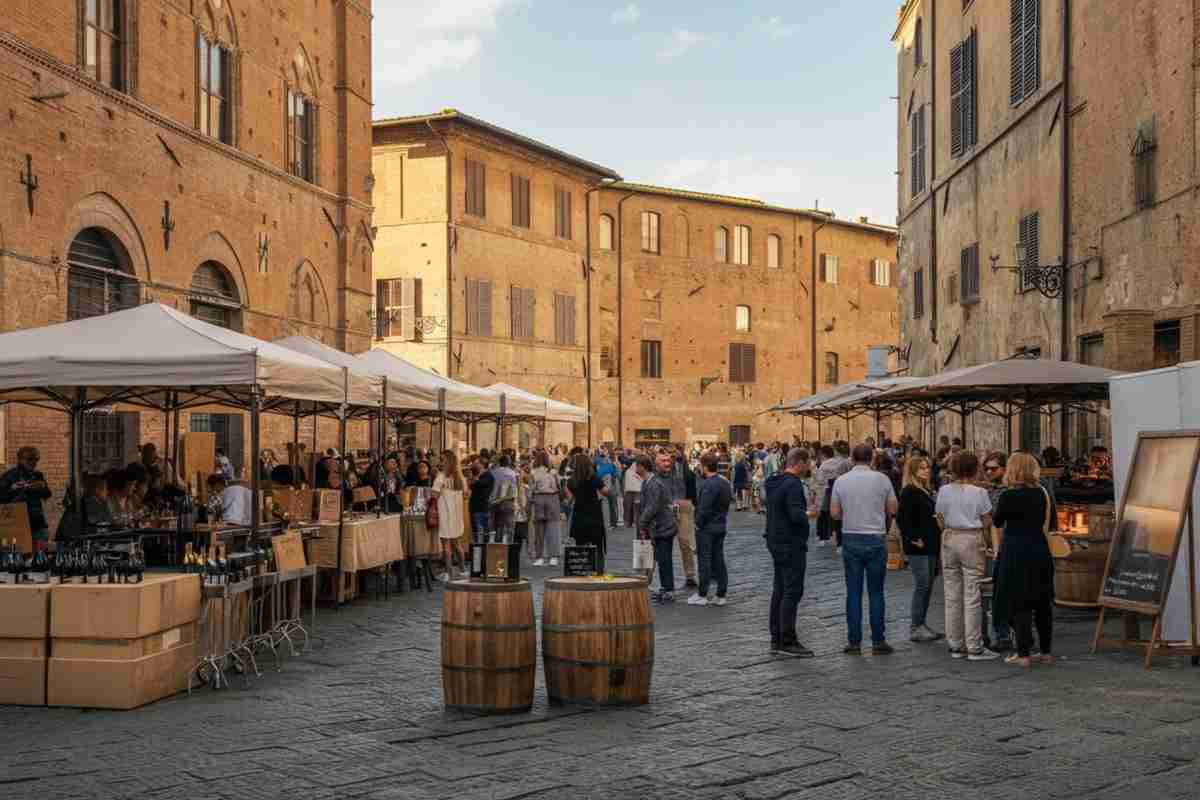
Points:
(776, 28)
(629, 14)
(679, 42)
(414, 39)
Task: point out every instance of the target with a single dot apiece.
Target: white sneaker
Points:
(982, 655)
(697, 600)
(554, 562)
(539, 562)
(839, 551)
(445, 577)
(721, 601)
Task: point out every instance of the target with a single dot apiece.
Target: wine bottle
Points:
(211, 566)
(222, 563)
(39, 569)
(138, 567)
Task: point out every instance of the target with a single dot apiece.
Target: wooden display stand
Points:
(1145, 545)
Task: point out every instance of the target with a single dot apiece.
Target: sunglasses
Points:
(992, 467)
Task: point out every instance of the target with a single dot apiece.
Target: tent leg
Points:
(337, 589)
(255, 478)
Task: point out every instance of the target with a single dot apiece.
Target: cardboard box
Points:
(122, 685)
(366, 543)
(25, 611)
(23, 672)
(123, 610)
(124, 649)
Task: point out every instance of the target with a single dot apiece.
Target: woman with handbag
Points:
(587, 518)
(445, 514)
(545, 511)
(1024, 591)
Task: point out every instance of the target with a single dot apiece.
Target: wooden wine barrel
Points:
(1077, 578)
(597, 641)
(489, 647)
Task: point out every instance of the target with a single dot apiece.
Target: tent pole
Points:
(337, 589)
(78, 425)
(255, 478)
(1008, 415)
(294, 458)
(962, 424)
(442, 414)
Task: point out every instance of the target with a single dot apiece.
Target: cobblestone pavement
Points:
(361, 716)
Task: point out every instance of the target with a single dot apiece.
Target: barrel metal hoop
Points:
(647, 663)
(547, 628)
(476, 587)
(625, 585)
(464, 668)
(492, 628)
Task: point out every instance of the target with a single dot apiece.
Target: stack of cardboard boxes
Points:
(93, 645)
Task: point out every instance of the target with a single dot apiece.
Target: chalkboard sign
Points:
(580, 561)
(1154, 507)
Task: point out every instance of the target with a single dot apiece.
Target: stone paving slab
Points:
(360, 716)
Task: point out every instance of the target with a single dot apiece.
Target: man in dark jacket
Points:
(712, 510)
(787, 539)
(657, 522)
(25, 484)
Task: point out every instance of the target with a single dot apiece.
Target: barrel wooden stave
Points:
(1079, 576)
(489, 647)
(597, 641)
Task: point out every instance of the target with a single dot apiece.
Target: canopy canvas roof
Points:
(555, 411)
(1022, 382)
(139, 354)
(400, 394)
(461, 398)
(847, 398)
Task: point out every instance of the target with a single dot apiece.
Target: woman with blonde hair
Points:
(448, 490)
(1024, 591)
(921, 539)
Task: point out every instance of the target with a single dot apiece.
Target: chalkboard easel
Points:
(1142, 556)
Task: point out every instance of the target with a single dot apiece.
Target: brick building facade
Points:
(1016, 128)
(208, 154)
(513, 239)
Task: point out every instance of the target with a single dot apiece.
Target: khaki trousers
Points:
(687, 538)
(962, 570)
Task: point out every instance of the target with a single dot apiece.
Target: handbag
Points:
(432, 518)
(1059, 546)
(643, 554)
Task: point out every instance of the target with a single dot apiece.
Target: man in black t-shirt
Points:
(481, 492)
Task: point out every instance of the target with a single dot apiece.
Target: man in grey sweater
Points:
(657, 521)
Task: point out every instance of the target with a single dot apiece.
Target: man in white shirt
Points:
(236, 501)
(862, 499)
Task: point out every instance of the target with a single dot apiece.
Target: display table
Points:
(1089, 531)
(368, 543)
(419, 541)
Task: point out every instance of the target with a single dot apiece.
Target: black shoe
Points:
(882, 649)
(690, 584)
(796, 650)
(1002, 645)
(776, 647)
(852, 650)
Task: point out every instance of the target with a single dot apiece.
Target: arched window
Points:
(606, 232)
(214, 74)
(721, 245)
(774, 245)
(682, 236)
(308, 300)
(301, 122)
(741, 244)
(918, 46)
(100, 279)
(215, 297)
(104, 40)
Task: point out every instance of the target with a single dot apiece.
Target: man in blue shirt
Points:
(607, 472)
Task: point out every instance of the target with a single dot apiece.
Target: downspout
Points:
(449, 250)
(587, 204)
(932, 144)
(813, 298)
(1065, 306)
(621, 321)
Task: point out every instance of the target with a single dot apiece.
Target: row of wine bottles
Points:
(78, 563)
(217, 566)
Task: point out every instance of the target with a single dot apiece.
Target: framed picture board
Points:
(14, 524)
(1153, 522)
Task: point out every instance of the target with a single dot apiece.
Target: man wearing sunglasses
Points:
(994, 465)
(24, 484)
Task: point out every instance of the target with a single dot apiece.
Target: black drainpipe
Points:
(813, 293)
(449, 251)
(621, 321)
(1066, 353)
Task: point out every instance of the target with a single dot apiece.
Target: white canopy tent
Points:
(400, 394)
(461, 398)
(555, 411)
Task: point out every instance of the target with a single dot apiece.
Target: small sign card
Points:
(580, 561)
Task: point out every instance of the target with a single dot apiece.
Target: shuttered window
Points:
(741, 363)
(963, 92)
(1025, 38)
(828, 271)
(918, 294)
(1029, 249)
(479, 307)
(521, 311)
(741, 245)
(650, 232)
(476, 189)
(651, 359)
(520, 201)
(562, 213)
(968, 279)
(918, 46)
(1144, 148)
(564, 319)
(398, 309)
(952, 289)
(917, 151)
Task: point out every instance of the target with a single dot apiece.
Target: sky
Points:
(787, 102)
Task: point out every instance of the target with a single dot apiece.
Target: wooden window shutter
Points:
(408, 311)
(970, 90)
(748, 363)
(527, 313)
(381, 308)
(1032, 41)
(1016, 33)
(485, 308)
(570, 316)
(821, 274)
(472, 306)
(735, 363)
(515, 186)
(514, 311)
(956, 101)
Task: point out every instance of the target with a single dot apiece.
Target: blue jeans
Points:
(481, 522)
(864, 556)
(710, 552)
(1003, 632)
(922, 570)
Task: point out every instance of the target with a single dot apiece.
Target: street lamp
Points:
(1046, 278)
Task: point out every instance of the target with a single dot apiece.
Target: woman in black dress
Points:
(1024, 590)
(587, 520)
